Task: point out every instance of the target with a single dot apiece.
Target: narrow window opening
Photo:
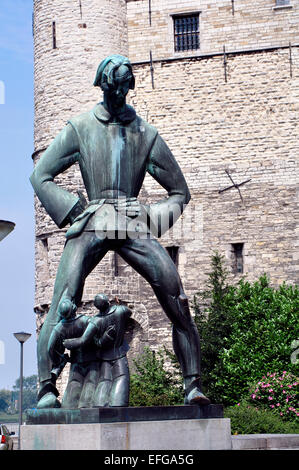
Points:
(54, 34)
(173, 252)
(238, 258)
(282, 2)
(43, 255)
(120, 266)
(45, 244)
(116, 268)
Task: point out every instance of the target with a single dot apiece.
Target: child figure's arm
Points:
(107, 339)
(89, 333)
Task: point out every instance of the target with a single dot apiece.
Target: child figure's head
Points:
(66, 309)
(101, 302)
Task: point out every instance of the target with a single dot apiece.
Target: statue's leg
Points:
(102, 393)
(119, 394)
(153, 262)
(90, 383)
(79, 257)
(74, 387)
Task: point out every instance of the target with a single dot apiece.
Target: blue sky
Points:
(16, 194)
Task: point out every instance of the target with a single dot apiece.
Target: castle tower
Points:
(70, 39)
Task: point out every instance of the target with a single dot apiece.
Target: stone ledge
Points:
(282, 7)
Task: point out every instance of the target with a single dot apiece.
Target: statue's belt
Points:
(78, 357)
(105, 220)
(81, 221)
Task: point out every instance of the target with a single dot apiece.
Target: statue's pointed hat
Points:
(105, 75)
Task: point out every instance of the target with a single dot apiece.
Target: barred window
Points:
(186, 32)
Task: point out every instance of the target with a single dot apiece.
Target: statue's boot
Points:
(47, 397)
(194, 396)
(48, 401)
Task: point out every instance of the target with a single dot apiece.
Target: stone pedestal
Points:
(199, 434)
(144, 428)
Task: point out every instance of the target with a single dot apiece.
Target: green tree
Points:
(29, 391)
(152, 384)
(213, 318)
(5, 399)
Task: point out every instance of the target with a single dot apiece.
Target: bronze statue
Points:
(115, 148)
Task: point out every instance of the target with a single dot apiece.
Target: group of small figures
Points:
(99, 372)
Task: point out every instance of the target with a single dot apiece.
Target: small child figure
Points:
(84, 371)
(106, 332)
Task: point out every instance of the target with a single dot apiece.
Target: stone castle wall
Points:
(246, 25)
(246, 125)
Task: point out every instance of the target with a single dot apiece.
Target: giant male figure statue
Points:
(115, 148)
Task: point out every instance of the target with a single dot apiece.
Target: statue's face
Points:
(121, 85)
(117, 95)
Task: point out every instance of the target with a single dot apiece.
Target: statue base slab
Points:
(121, 414)
(141, 428)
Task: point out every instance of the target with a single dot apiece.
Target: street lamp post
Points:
(21, 337)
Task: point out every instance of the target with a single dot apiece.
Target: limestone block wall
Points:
(239, 25)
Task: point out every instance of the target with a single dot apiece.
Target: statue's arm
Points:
(90, 333)
(83, 340)
(125, 311)
(60, 204)
(55, 347)
(162, 166)
(107, 339)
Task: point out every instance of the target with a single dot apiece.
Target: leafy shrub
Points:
(246, 330)
(152, 384)
(247, 419)
(264, 326)
(279, 393)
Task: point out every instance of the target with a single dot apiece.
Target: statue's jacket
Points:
(90, 350)
(117, 316)
(65, 329)
(114, 156)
